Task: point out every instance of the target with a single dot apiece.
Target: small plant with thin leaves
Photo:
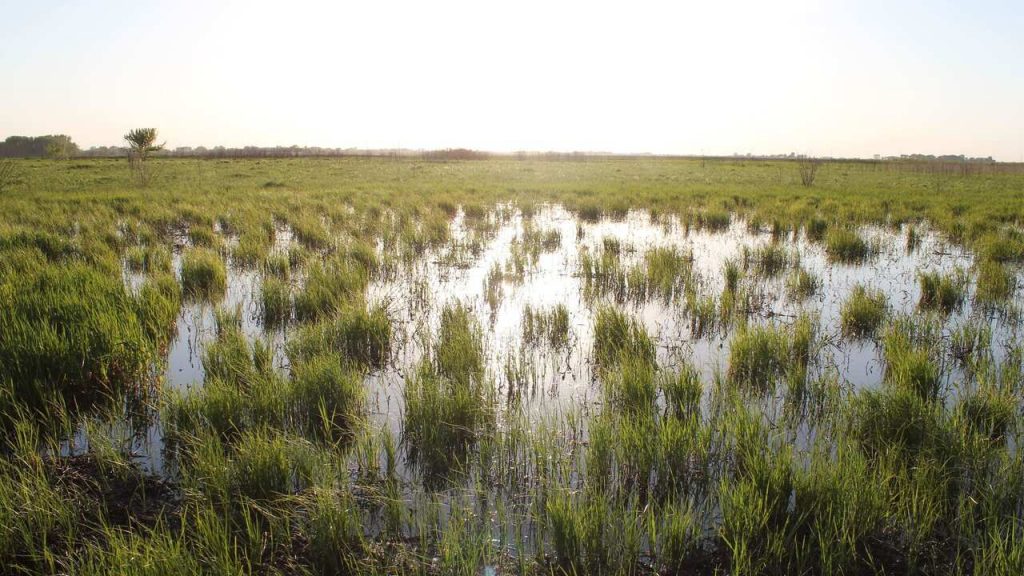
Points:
(142, 143)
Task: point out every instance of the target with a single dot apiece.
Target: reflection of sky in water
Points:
(561, 379)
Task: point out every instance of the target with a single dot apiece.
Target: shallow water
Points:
(557, 380)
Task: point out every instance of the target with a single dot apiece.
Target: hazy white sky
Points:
(843, 78)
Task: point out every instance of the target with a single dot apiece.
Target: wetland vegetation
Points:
(589, 366)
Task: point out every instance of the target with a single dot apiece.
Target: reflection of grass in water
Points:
(546, 326)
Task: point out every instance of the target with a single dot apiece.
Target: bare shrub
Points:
(809, 170)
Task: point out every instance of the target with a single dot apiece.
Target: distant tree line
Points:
(50, 146)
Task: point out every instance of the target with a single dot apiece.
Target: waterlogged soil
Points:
(549, 380)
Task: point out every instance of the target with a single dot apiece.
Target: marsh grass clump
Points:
(682, 391)
(202, 236)
(444, 418)
(327, 396)
(310, 231)
(802, 284)
(252, 248)
(262, 465)
(546, 326)
(225, 409)
(75, 330)
(714, 220)
(815, 229)
(330, 287)
(361, 335)
(668, 270)
(278, 266)
(988, 412)
(276, 304)
(333, 530)
(459, 349)
(449, 403)
(995, 282)
(591, 533)
(732, 273)
(970, 343)
(895, 418)
(148, 259)
(768, 260)
(617, 336)
(912, 368)
(202, 274)
(908, 350)
(157, 305)
(760, 355)
(942, 292)
(232, 358)
(631, 388)
(846, 246)
(863, 312)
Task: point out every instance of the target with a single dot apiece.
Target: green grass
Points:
(995, 283)
(360, 335)
(618, 337)
(78, 331)
(945, 293)
(202, 274)
(276, 301)
(863, 312)
(761, 355)
(846, 246)
(275, 467)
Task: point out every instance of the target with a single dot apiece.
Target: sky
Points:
(818, 77)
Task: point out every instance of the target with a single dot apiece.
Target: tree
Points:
(142, 143)
(60, 147)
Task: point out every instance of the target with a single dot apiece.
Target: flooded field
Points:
(505, 265)
(528, 384)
